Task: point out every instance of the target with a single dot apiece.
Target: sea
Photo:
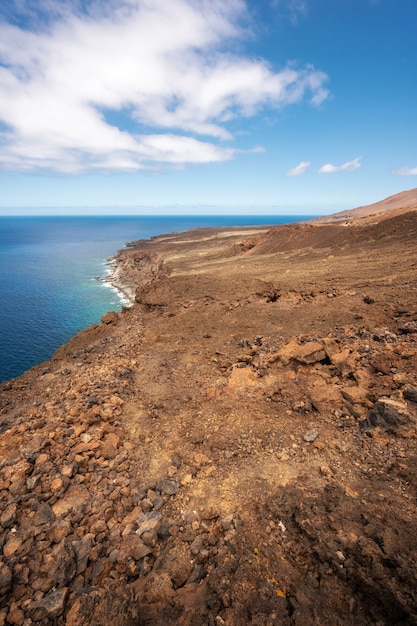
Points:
(49, 267)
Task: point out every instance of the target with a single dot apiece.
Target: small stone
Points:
(151, 521)
(282, 526)
(308, 353)
(44, 515)
(189, 516)
(18, 487)
(15, 615)
(12, 546)
(169, 486)
(75, 497)
(69, 470)
(226, 522)
(41, 459)
(58, 565)
(196, 546)
(410, 393)
(146, 505)
(298, 406)
(34, 447)
(311, 435)
(5, 578)
(51, 606)
(32, 482)
(356, 395)
(132, 546)
(408, 328)
(82, 550)
(195, 575)
(149, 538)
(8, 516)
(57, 532)
(158, 502)
(201, 459)
(56, 485)
(176, 461)
(110, 445)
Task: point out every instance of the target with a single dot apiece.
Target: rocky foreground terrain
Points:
(239, 447)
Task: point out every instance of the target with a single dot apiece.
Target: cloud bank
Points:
(126, 85)
(350, 166)
(406, 171)
(299, 169)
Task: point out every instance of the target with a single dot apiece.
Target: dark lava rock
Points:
(391, 415)
(410, 393)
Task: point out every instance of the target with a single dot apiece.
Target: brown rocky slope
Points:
(239, 447)
(400, 203)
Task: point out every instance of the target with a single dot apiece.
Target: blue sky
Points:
(187, 106)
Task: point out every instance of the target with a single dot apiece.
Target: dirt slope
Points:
(400, 202)
(237, 448)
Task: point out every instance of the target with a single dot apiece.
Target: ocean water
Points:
(48, 290)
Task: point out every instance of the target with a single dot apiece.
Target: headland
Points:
(238, 447)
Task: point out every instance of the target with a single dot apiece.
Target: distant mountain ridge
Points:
(405, 200)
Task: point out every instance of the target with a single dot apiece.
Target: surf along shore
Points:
(238, 447)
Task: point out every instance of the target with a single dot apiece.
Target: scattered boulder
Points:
(322, 394)
(307, 353)
(356, 395)
(410, 393)
(133, 546)
(393, 416)
(50, 607)
(75, 497)
(148, 522)
(82, 550)
(44, 515)
(109, 318)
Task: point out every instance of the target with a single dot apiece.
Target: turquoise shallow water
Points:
(47, 267)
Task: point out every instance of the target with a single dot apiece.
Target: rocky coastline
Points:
(115, 279)
(238, 447)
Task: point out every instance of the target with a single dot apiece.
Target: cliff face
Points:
(236, 448)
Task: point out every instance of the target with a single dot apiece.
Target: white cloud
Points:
(162, 64)
(299, 169)
(350, 166)
(293, 8)
(406, 171)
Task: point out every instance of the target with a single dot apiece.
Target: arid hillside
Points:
(239, 447)
(400, 202)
